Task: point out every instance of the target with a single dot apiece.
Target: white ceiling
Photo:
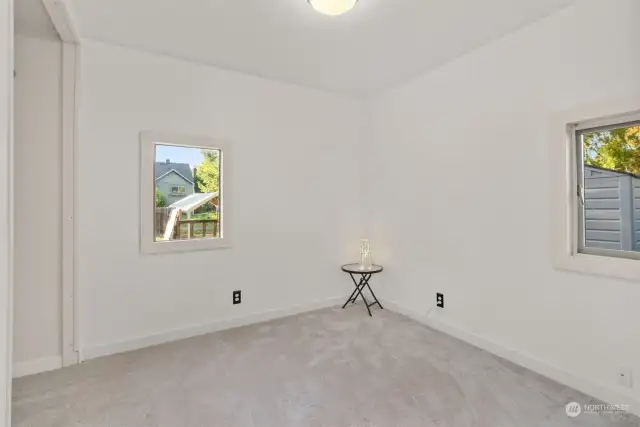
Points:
(378, 44)
(31, 19)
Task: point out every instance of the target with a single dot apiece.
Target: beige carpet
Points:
(330, 368)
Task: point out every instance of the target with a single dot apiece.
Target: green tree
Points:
(160, 200)
(617, 149)
(207, 173)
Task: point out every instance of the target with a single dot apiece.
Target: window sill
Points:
(172, 246)
(599, 265)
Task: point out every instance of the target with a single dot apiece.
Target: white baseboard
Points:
(36, 366)
(561, 376)
(93, 352)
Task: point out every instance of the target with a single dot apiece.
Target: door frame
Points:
(6, 209)
(70, 344)
(63, 24)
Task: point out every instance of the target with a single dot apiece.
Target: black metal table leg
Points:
(365, 276)
(352, 298)
(374, 295)
(364, 281)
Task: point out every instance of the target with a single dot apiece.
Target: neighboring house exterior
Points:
(174, 181)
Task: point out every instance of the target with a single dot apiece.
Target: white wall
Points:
(38, 209)
(297, 204)
(461, 201)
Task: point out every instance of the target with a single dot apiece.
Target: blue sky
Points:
(193, 156)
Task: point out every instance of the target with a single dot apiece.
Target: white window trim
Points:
(148, 141)
(563, 189)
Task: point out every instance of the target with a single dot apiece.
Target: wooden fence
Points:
(162, 218)
(196, 229)
(186, 228)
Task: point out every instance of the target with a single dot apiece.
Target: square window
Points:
(593, 189)
(178, 190)
(608, 177)
(185, 193)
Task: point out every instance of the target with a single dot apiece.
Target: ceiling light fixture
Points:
(333, 7)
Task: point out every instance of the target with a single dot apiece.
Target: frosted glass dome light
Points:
(333, 7)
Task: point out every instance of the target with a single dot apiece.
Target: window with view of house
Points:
(608, 155)
(188, 203)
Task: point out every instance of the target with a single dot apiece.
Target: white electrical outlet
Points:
(625, 377)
